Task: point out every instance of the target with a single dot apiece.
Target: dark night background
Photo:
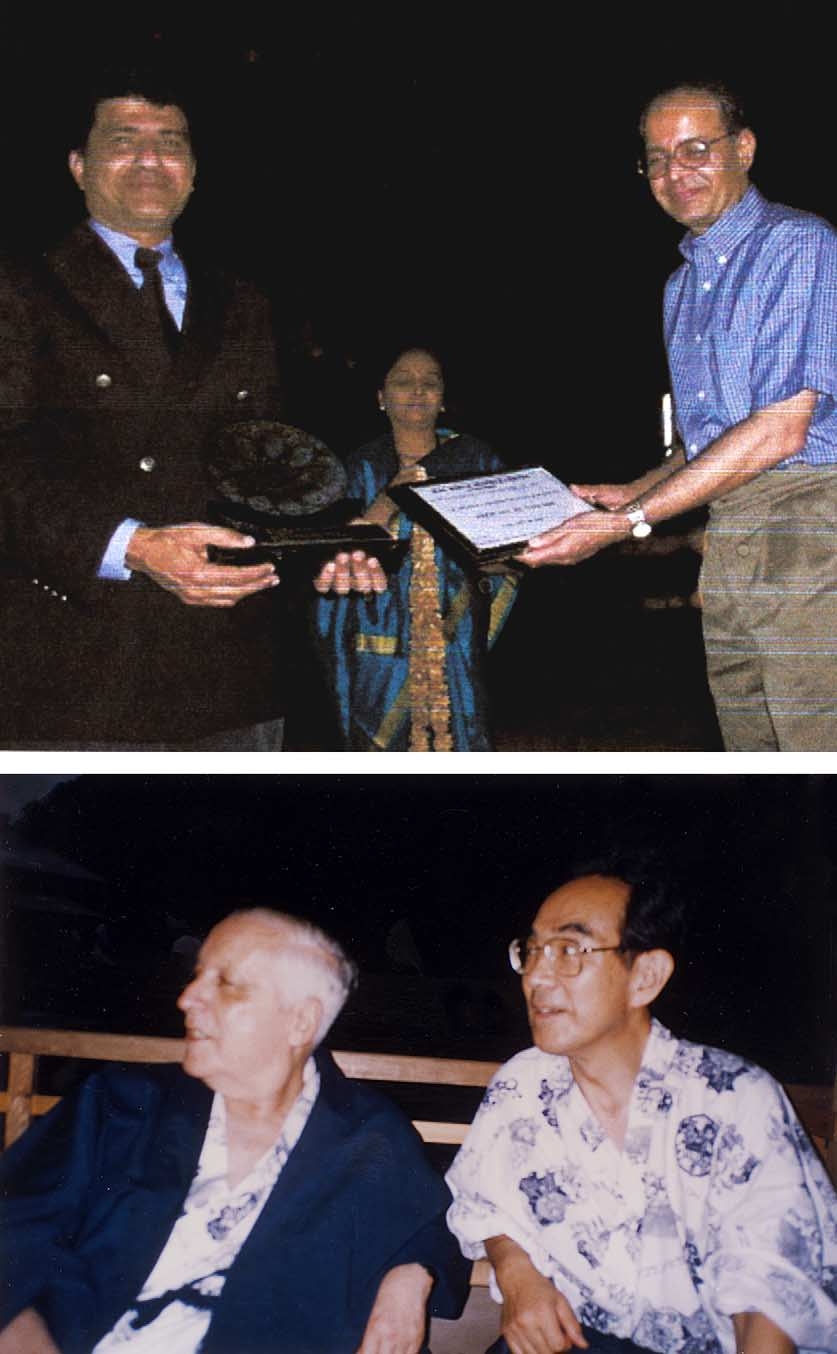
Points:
(464, 178)
(424, 879)
(452, 173)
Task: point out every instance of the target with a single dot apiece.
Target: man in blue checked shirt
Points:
(750, 322)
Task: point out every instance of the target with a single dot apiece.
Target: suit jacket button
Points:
(242, 395)
(148, 463)
(103, 380)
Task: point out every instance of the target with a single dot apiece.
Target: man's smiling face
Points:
(137, 169)
(697, 197)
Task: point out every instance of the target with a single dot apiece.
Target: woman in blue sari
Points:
(407, 665)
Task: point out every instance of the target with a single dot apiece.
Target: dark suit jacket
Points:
(90, 1194)
(83, 405)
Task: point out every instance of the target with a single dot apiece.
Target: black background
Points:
(460, 175)
(464, 861)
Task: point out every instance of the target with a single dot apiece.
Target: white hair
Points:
(312, 964)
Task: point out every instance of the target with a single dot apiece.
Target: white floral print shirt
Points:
(717, 1203)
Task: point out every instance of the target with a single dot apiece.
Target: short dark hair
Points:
(728, 103)
(153, 83)
(655, 913)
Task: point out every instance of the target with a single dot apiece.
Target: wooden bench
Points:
(815, 1105)
(20, 1101)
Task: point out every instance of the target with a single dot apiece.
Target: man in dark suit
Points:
(117, 369)
(291, 1211)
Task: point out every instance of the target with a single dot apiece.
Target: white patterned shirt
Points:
(206, 1238)
(717, 1203)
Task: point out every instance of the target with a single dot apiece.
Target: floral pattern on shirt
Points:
(716, 1204)
(214, 1223)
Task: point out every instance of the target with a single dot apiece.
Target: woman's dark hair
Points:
(388, 363)
(729, 105)
(655, 914)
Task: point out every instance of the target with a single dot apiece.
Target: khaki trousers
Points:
(769, 590)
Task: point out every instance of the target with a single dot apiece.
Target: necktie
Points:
(430, 729)
(153, 300)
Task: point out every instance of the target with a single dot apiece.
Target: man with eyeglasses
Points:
(633, 1191)
(751, 333)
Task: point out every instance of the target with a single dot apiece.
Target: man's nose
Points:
(540, 970)
(674, 170)
(147, 153)
(191, 994)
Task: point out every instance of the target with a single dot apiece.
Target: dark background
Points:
(463, 177)
(424, 879)
(456, 174)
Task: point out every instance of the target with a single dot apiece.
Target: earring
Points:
(441, 408)
(382, 408)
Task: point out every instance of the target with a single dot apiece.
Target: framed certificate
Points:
(490, 517)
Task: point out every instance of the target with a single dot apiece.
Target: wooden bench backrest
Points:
(21, 1101)
(816, 1105)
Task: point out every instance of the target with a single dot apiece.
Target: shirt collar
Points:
(659, 1051)
(125, 246)
(729, 230)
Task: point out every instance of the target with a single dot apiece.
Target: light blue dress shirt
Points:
(172, 272)
(750, 320)
(175, 286)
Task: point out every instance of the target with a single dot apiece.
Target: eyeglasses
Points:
(564, 956)
(691, 154)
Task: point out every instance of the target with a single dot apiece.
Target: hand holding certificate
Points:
(490, 517)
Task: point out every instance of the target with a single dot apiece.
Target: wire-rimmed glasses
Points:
(562, 953)
(693, 153)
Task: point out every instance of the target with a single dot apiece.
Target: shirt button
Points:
(722, 258)
(701, 394)
(148, 464)
(698, 338)
(242, 394)
(693, 446)
(707, 286)
(742, 550)
(103, 380)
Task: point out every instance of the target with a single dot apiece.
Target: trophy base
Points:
(307, 542)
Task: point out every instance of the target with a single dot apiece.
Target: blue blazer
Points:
(88, 1197)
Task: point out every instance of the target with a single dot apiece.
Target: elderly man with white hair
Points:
(259, 1202)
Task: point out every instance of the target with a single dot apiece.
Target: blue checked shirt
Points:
(750, 319)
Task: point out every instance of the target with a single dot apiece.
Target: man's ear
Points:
(650, 972)
(746, 147)
(76, 162)
(305, 1022)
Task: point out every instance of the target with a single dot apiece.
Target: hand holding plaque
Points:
(488, 519)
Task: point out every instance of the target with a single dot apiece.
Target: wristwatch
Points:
(640, 528)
